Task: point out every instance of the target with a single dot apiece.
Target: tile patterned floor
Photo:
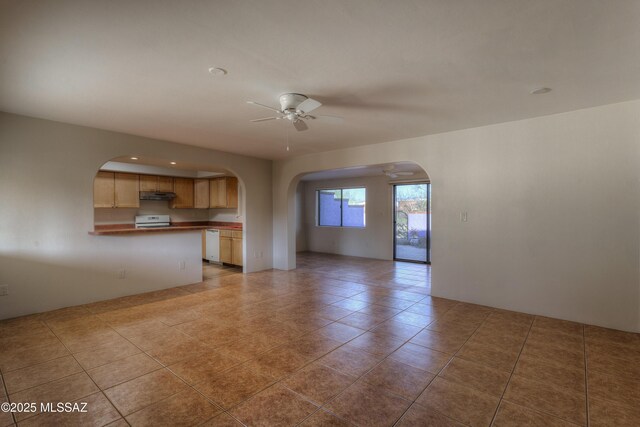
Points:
(338, 342)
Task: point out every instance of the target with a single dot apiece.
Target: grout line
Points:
(6, 392)
(586, 376)
(512, 371)
(85, 372)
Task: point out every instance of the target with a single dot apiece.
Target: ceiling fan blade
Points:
(264, 106)
(308, 105)
(264, 119)
(330, 119)
(300, 125)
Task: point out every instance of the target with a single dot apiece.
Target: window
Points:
(341, 207)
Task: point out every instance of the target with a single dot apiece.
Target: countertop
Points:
(113, 229)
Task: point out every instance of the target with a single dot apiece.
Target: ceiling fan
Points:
(295, 107)
(389, 171)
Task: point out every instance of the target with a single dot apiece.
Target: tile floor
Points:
(338, 342)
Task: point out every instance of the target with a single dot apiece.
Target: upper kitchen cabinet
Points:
(201, 189)
(104, 190)
(127, 190)
(116, 190)
(223, 192)
(156, 183)
(183, 187)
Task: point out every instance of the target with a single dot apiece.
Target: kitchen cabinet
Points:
(236, 248)
(104, 190)
(223, 192)
(225, 247)
(201, 197)
(183, 187)
(156, 183)
(116, 190)
(127, 190)
(231, 247)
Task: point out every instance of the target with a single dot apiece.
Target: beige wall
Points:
(553, 211)
(46, 188)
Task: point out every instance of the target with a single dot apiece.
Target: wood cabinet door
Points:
(127, 190)
(201, 189)
(165, 183)
(183, 187)
(236, 251)
(232, 192)
(148, 183)
(225, 250)
(213, 193)
(104, 190)
(222, 193)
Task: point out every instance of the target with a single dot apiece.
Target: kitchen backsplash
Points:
(151, 207)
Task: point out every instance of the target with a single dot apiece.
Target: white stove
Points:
(151, 221)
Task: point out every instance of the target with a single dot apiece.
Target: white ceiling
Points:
(368, 171)
(392, 69)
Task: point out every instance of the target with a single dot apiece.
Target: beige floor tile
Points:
(318, 382)
(512, 415)
(185, 408)
(334, 328)
(35, 375)
(399, 378)
(340, 332)
(480, 377)
(323, 418)
(67, 389)
(350, 361)
(228, 388)
(446, 343)
(623, 390)
(368, 406)
(123, 370)
(419, 416)
(461, 403)
(553, 373)
(202, 367)
(102, 355)
(421, 357)
(274, 406)
(99, 412)
(560, 402)
(143, 391)
(222, 420)
(607, 413)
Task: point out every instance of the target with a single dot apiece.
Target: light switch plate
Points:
(4, 290)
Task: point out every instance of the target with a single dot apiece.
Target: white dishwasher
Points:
(213, 245)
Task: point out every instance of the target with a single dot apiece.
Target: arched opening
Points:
(376, 212)
(185, 215)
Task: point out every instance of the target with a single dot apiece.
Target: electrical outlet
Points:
(4, 290)
(122, 273)
(182, 265)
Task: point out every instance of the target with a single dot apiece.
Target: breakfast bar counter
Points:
(116, 229)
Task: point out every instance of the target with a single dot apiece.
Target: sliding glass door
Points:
(412, 222)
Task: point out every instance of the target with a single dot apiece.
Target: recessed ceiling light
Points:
(217, 71)
(173, 163)
(134, 158)
(540, 91)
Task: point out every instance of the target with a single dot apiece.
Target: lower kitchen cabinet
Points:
(231, 247)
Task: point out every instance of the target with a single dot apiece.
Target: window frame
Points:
(341, 189)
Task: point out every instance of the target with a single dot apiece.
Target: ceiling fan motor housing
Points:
(290, 101)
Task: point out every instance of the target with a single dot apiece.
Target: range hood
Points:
(157, 195)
